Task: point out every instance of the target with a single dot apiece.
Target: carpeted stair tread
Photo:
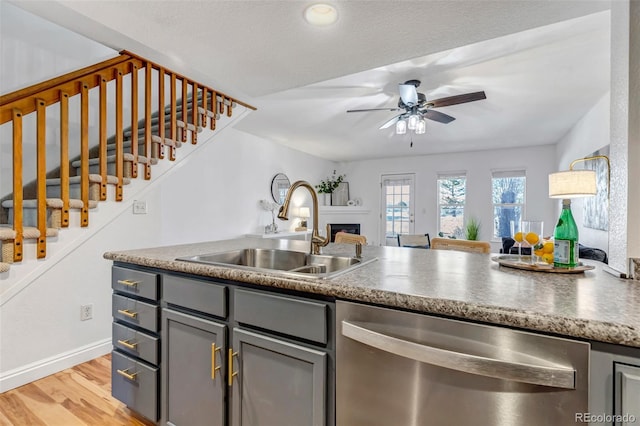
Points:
(167, 128)
(54, 203)
(112, 158)
(93, 178)
(28, 232)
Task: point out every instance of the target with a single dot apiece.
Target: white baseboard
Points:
(37, 370)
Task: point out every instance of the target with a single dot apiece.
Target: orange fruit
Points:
(532, 238)
(547, 247)
(518, 237)
(548, 257)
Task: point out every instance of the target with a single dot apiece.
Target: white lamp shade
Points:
(401, 127)
(421, 127)
(572, 184)
(304, 212)
(412, 121)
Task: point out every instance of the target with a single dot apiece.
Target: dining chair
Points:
(414, 240)
(346, 237)
(460, 245)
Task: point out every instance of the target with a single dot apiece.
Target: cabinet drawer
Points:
(138, 283)
(295, 317)
(202, 296)
(135, 384)
(135, 312)
(135, 343)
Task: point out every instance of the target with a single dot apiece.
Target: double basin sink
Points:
(282, 262)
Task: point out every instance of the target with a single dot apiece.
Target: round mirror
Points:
(279, 187)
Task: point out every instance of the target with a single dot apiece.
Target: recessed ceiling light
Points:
(321, 14)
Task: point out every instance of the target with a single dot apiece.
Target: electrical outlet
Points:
(139, 207)
(86, 312)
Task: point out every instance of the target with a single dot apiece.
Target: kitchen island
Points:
(251, 342)
(593, 305)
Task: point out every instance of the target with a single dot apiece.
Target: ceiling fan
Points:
(416, 108)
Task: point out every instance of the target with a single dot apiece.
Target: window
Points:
(452, 191)
(507, 188)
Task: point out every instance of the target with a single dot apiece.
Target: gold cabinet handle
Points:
(127, 344)
(213, 361)
(125, 373)
(129, 283)
(232, 373)
(128, 313)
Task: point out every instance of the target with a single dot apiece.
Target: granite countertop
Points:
(593, 305)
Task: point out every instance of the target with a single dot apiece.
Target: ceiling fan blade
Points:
(373, 109)
(408, 94)
(391, 122)
(457, 99)
(438, 116)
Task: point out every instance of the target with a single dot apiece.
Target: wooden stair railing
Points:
(188, 114)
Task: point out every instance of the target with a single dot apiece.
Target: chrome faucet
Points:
(316, 240)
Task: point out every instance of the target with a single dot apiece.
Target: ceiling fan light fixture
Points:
(421, 126)
(401, 127)
(321, 14)
(412, 121)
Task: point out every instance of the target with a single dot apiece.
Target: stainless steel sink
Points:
(286, 262)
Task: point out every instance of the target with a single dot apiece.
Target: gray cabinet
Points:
(238, 356)
(192, 370)
(614, 394)
(276, 382)
(135, 357)
(626, 394)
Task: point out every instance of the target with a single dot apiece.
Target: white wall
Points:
(538, 162)
(588, 135)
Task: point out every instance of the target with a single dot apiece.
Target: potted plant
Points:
(472, 229)
(327, 186)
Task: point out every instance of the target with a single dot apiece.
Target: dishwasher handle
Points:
(551, 376)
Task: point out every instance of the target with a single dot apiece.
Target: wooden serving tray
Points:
(513, 261)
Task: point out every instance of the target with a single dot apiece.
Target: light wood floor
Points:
(77, 396)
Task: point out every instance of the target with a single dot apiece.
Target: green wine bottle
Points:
(565, 245)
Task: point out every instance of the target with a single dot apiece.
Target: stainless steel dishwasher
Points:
(405, 369)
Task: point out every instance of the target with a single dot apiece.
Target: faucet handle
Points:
(358, 250)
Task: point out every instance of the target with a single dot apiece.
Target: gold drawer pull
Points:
(128, 313)
(126, 344)
(125, 373)
(232, 373)
(213, 361)
(129, 283)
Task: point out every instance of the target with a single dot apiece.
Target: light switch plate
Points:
(139, 207)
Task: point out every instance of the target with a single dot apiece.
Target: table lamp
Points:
(567, 185)
(303, 214)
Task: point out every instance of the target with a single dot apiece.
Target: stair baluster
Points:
(41, 158)
(134, 120)
(64, 158)
(17, 185)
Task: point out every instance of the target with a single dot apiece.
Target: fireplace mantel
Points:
(343, 210)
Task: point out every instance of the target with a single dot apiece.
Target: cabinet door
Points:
(627, 394)
(193, 366)
(277, 383)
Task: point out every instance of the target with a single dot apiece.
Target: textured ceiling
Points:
(542, 64)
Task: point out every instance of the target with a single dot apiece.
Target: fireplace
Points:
(351, 228)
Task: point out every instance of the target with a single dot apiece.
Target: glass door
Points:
(397, 210)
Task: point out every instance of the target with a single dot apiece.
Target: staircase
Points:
(165, 111)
